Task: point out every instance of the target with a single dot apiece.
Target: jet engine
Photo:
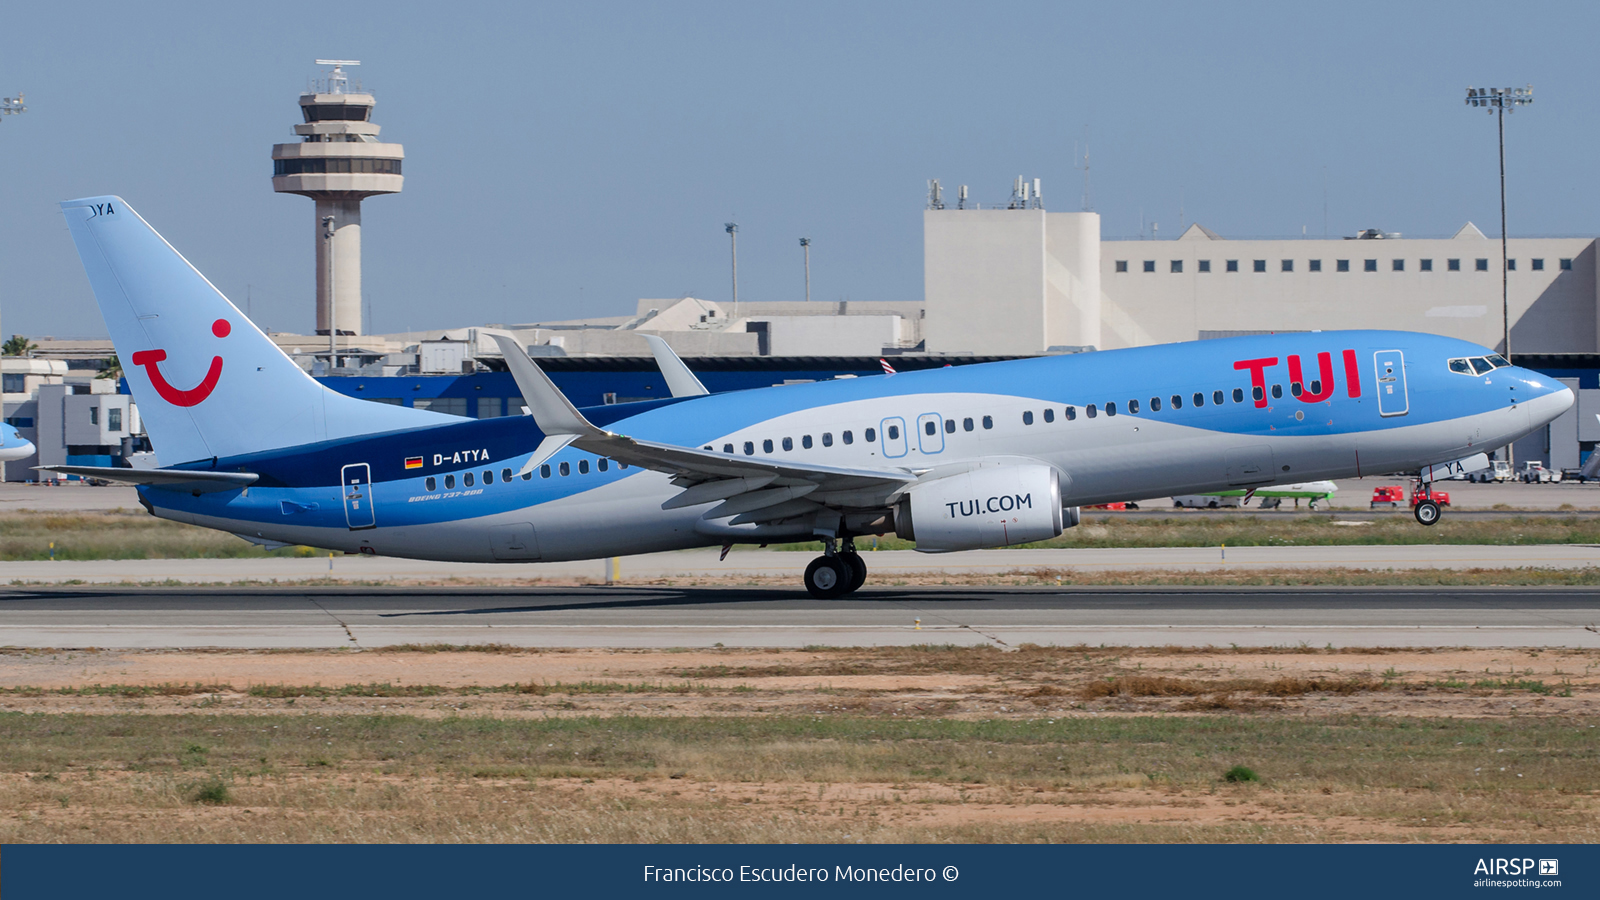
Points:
(987, 507)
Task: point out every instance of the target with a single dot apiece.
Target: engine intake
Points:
(989, 507)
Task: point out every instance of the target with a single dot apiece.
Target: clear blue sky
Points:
(566, 159)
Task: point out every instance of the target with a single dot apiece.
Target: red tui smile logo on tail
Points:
(151, 359)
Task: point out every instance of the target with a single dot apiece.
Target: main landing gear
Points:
(1424, 505)
(836, 572)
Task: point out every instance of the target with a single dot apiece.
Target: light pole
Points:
(333, 327)
(11, 106)
(1499, 101)
(805, 245)
(732, 228)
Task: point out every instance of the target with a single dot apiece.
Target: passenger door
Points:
(892, 432)
(930, 433)
(1392, 399)
(355, 483)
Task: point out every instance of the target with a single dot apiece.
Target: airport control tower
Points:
(338, 162)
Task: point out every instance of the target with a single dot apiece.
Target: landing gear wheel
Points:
(828, 577)
(858, 571)
(1427, 512)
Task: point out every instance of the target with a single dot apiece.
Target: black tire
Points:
(1427, 512)
(1177, 504)
(827, 578)
(1211, 505)
(858, 571)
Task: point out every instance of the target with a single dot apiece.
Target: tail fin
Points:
(207, 381)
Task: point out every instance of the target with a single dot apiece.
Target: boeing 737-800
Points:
(988, 455)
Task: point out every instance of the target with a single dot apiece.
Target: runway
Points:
(663, 617)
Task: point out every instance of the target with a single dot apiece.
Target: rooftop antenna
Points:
(961, 197)
(935, 194)
(337, 79)
(12, 106)
(1038, 194)
(1082, 162)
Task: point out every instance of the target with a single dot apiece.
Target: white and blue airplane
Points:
(989, 455)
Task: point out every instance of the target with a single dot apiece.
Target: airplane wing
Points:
(204, 482)
(680, 381)
(752, 488)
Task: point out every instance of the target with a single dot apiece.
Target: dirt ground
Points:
(798, 785)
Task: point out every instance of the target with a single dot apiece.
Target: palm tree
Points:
(110, 367)
(17, 345)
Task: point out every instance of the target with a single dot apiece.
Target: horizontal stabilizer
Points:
(172, 479)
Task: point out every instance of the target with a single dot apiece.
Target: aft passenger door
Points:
(355, 483)
(930, 433)
(892, 432)
(1392, 399)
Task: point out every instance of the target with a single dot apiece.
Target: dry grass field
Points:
(878, 745)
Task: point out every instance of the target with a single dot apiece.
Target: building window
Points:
(113, 419)
(1398, 265)
(450, 406)
(1176, 266)
(1370, 265)
(1566, 265)
(1149, 265)
(491, 407)
(1314, 265)
(1538, 264)
(1483, 265)
(1425, 265)
(1233, 265)
(1342, 265)
(1511, 265)
(1259, 265)
(1205, 265)
(1286, 265)
(1453, 265)
(1122, 265)
(17, 384)
(94, 415)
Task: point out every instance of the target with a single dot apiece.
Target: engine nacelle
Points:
(996, 506)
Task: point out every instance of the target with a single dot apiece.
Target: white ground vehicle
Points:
(1534, 472)
(1204, 501)
(1499, 470)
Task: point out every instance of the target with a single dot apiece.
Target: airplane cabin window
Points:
(604, 464)
(805, 441)
(505, 474)
(988, 422)
(449, 482)
(1481, 365)
(1199, 399)
(749, 448)
(1499, 360)
(1316, 386)
(1277, 392)
(1216, 397)
(1133, 407)
(1091, 411)
(827, 439)
(622, 465)
(1027, 417)
(433, 485)
(966, 424)
(949, 426)
(1049, 414)
(1256, 393)
(1111, 409)
(727, 448)
(932, 428)
(1238, 395)
(870, 434)
(706, 447)
(1294, 388)
(848, 437)
(788, 443)
(488, 476)
(894, 433)
(1071, 413)
(466, 479)
(564, 469)
(1155, 404)
(528, 475)
(544, 471)
(583, 467)
(1177, 401)
(766, 446)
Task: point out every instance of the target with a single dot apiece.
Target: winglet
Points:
(680, 381)
(550, 408)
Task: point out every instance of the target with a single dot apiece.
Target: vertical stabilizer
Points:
(207, 381)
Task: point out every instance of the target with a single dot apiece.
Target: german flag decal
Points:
(413, 462)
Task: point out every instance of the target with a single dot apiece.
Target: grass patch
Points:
(121, 534)
(1239, 774)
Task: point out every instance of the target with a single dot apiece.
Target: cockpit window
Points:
(1499, 361)
(1461, 365)
(1481, 365)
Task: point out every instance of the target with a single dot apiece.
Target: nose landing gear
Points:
(836, 572)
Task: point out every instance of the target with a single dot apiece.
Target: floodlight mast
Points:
(1498, 102)
(732, 228)
(805, 245)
